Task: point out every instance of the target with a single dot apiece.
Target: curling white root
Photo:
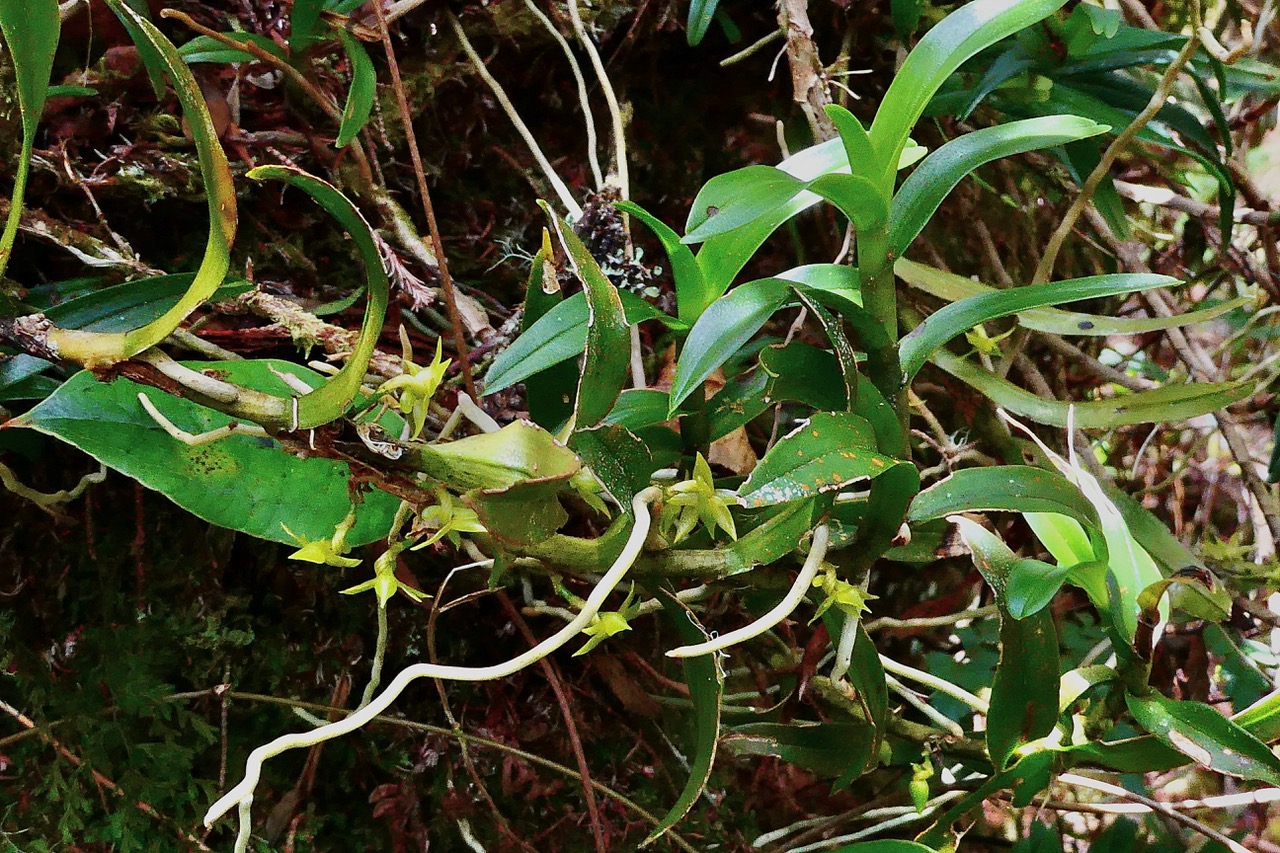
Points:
(844, 650)
(243, 792)
(784, 608)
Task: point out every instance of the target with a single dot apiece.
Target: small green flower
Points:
(849, 598)
(324, 552)
(605, 625)
(384, 582)
(417, 385)
(984, 343)
(695, 500)
(447, 517)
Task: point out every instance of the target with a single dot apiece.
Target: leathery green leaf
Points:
(30, 29)
(692, 294)
(1004, 488)
(329, 401)
(1160, 405)
(100, 348)
(1206, 737)
(1024, 693)
(820, 748)
(519, 452)
(240, 482)
(736, 198)
(559, 335)
(702, 674)
(961, 34)
(871, 692)
(722, 330)
(608, 358)
(824, 454)
(364, 88)
(958, 317)
(918, 198)
(952, 288)
(701, 13)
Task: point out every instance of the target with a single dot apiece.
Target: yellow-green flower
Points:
(384, 582)
(416, 386)
(325, 552)
(695, 500)
(447, 517)
(850, 599)
(605, 625)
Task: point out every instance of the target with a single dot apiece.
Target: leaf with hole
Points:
(736, 198)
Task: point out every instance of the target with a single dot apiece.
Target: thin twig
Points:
(611, 100)
(552, 673)
(437, 244)
(1158, 99)
(1155, 806)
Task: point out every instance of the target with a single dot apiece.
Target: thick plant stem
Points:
(253, 768)
(880, 298)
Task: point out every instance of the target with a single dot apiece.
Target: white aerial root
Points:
(844, 650)
(242, 794)
(784, 608)
(562, 191)
(194, 439)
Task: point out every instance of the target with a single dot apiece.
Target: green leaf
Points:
(736, 198)
(209, 49)
(692, 294)
(723, 329)
(30, 29)
(856, 197)
(519, 452)
(722, 257)
(939, 173)
(329, 401)
(857, 145)
(304, 24)
(243, 483)
(1024, 692)
(819, 748)
(557, 336)
(701, 13)
(966, 31)
(844, 353)
(1161, 405)
(825, 454)
(952, 288)
(906, 17)
(129, 305)
(1262, 718)
(887, 845)
(617, 457)
(1206, 737)
(773, 538)
(608, 346)
(958, 317)
(364, 88)
(100, 348)
(1003, 488)
(706, 684)
(871, 692)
